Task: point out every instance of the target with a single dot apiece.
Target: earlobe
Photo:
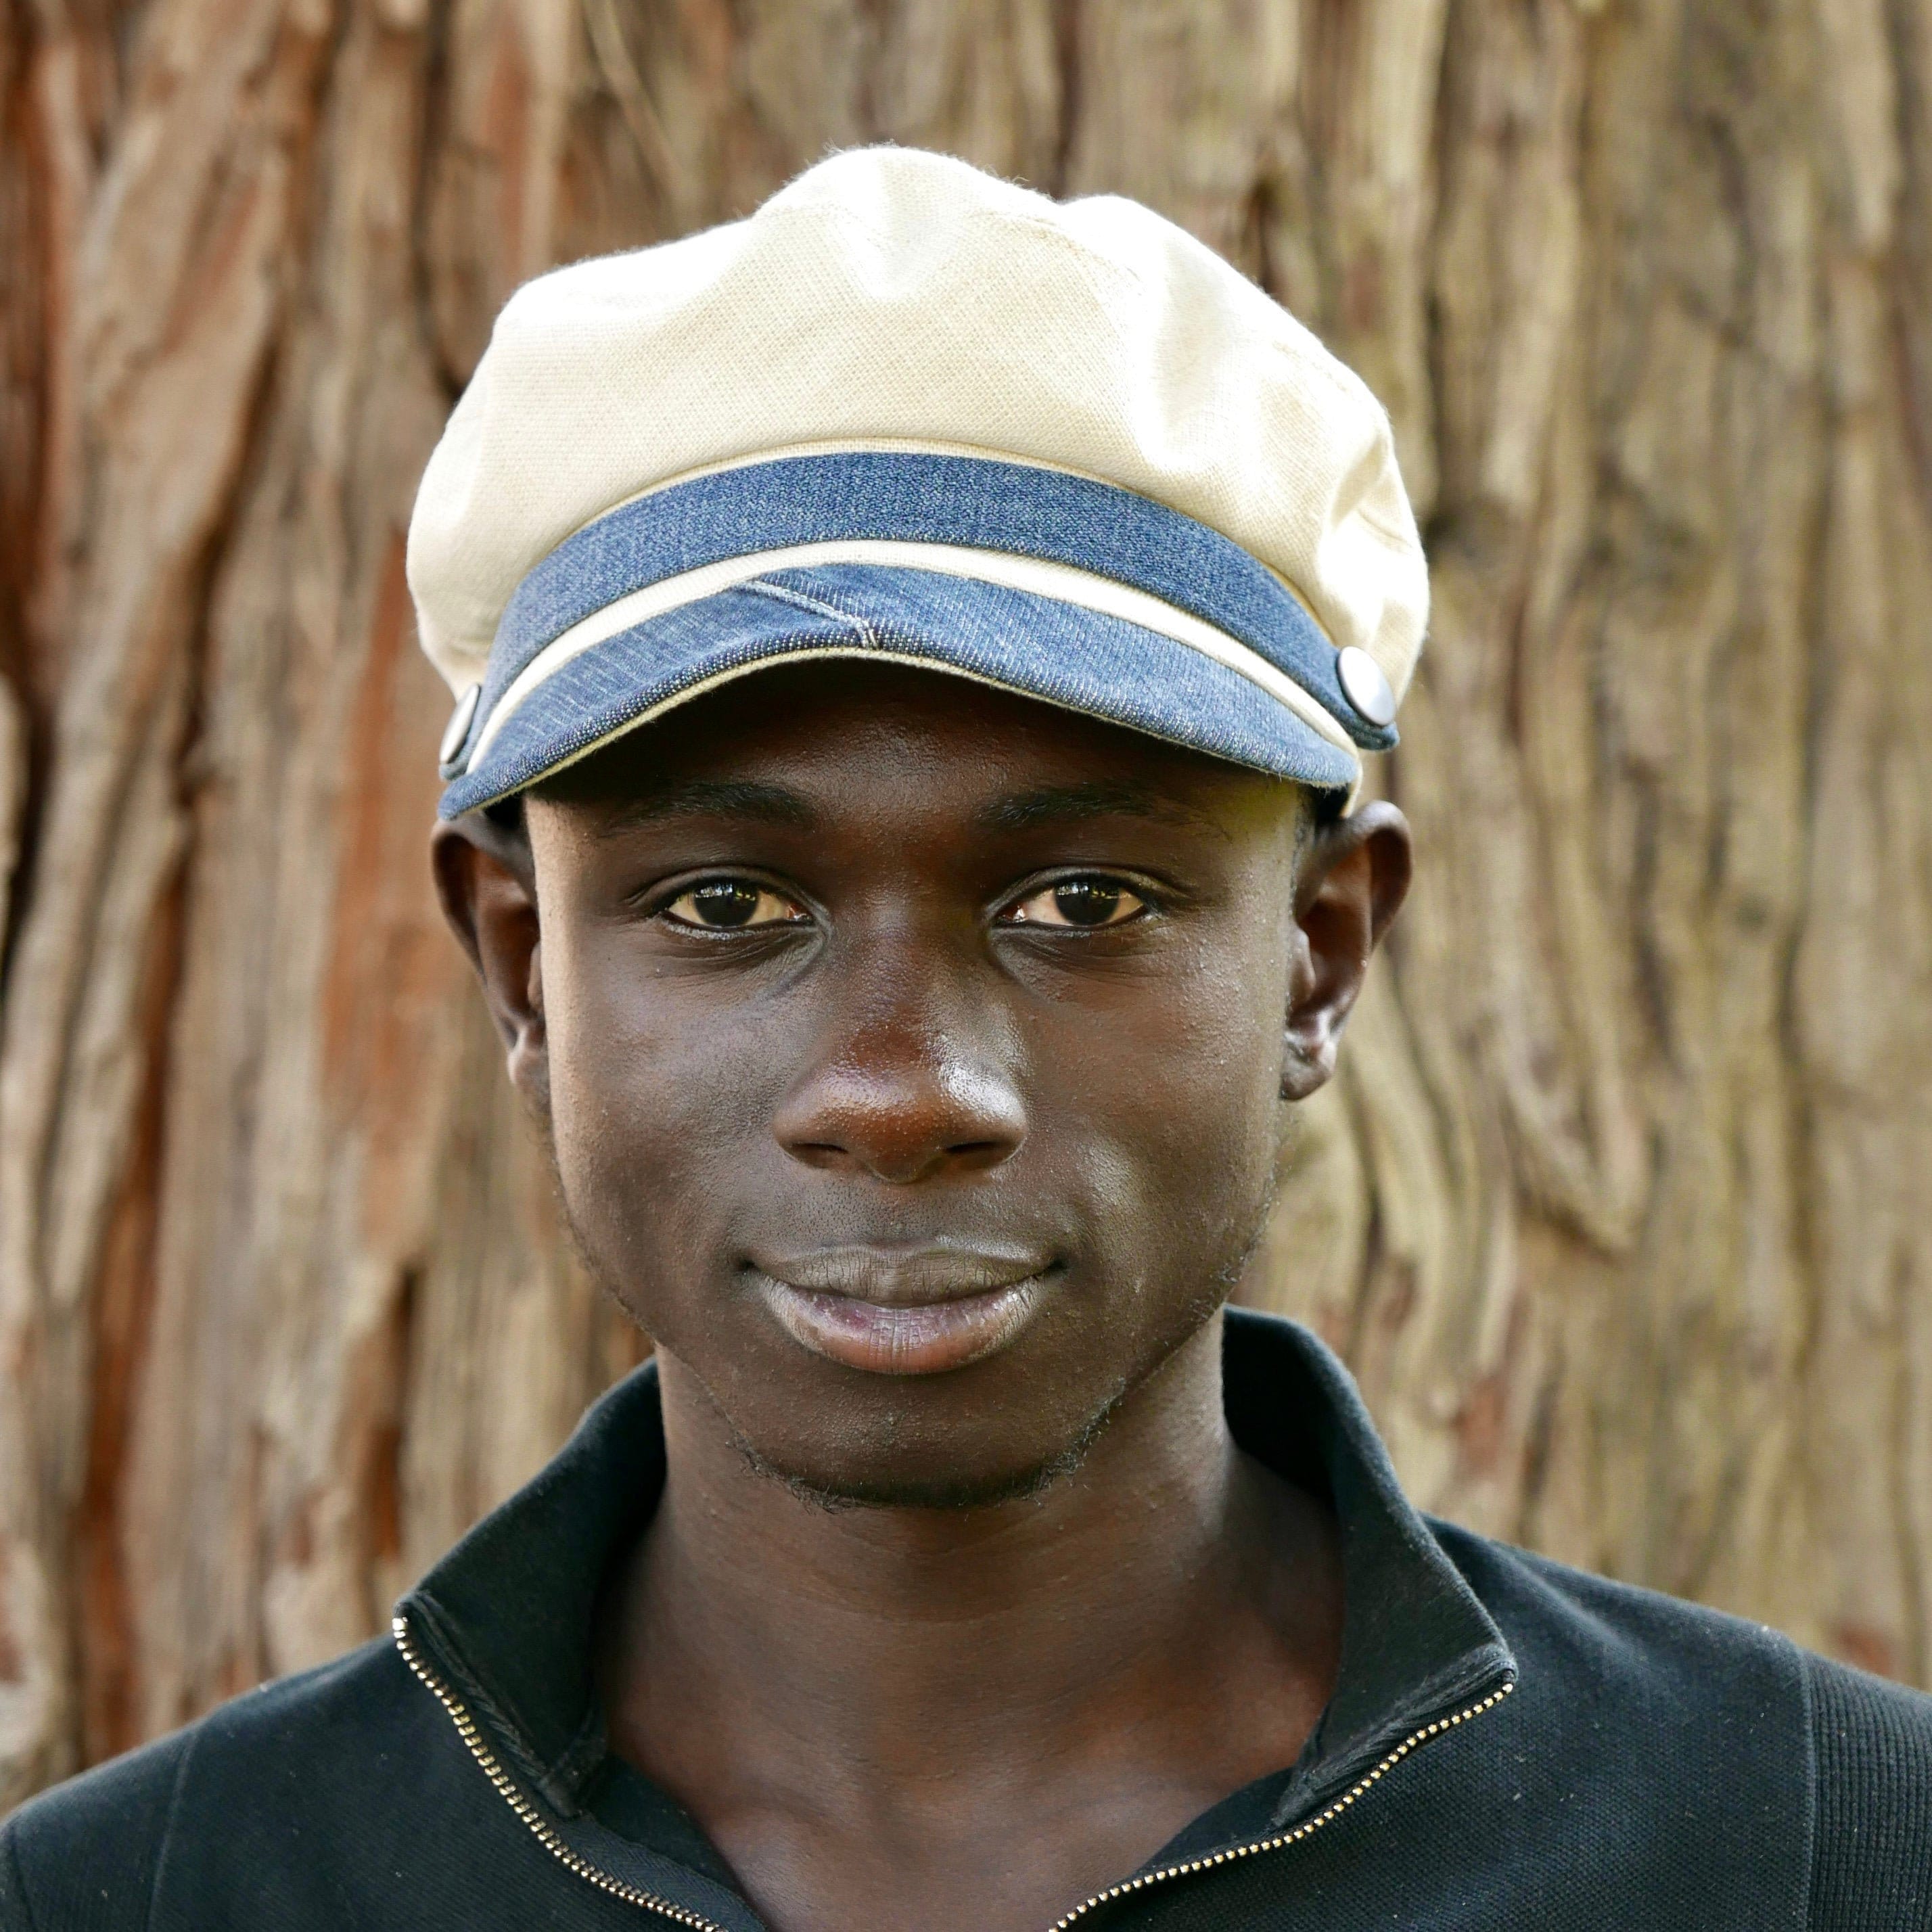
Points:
(1353, 880)
(487, 889)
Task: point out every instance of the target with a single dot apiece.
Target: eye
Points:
(733, 905)
(1089, 901)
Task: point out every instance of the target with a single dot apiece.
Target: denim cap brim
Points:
(1082, 660)
(1230, 664)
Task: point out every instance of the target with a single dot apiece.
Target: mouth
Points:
(902, 1311)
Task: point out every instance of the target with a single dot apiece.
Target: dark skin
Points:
(915, 1059)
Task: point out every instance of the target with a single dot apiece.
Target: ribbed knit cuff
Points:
(1872, 1865)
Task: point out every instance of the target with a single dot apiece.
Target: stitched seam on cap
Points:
(1381, 529)
(1039, 227)
(857, 626)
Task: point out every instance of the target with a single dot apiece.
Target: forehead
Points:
(823, 739)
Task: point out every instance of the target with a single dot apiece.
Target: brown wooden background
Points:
(1622, 1211)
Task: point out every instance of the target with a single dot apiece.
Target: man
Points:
(918, 647)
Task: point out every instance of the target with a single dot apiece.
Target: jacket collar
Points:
(507, 1616)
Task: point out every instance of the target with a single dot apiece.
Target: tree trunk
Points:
(1618, 1211)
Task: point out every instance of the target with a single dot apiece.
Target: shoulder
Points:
(84, 1852)
(1616, 1646)
(90, 1852)
(1856, 1749)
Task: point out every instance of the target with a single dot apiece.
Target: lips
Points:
(902, 1311)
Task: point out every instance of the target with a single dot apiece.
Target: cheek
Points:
(647, 1104)
(1172, 1114)
(1202, 1091)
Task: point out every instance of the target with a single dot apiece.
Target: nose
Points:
(909, 1086)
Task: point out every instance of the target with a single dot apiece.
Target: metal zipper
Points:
(547, 1836)
(546, 1833)
(1301, 1830)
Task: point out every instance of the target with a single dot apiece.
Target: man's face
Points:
(913, 1057)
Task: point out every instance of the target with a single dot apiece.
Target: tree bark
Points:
(1617, 1210)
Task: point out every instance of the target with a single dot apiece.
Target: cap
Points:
(909, 410)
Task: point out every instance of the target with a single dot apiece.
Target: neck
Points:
(916, 1646)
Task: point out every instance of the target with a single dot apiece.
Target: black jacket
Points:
(1511, 1744)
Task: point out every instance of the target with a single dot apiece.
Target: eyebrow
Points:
(716, 798)
(1064, 805)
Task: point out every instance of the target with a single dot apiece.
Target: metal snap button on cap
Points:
(457, 729)
(1364, 686)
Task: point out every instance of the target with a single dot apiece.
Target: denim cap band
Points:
(997, 536)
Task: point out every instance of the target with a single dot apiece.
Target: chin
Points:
(901, 1460)
(898, 1486)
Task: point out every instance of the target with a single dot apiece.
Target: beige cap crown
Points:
(893, 299)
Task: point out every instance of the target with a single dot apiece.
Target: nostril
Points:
(815, 1153)
(981, 1153)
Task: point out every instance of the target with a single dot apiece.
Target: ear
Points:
(486, 887)
(1354, 876)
